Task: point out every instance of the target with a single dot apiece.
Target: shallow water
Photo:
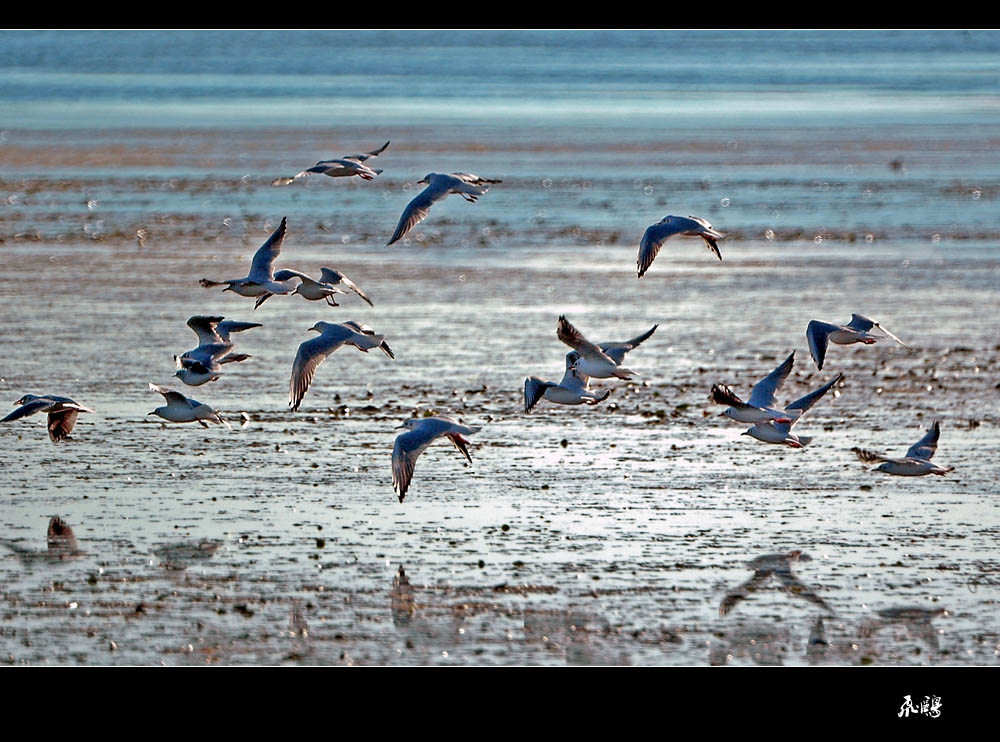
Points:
(600, 535)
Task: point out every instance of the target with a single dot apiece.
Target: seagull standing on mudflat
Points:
(820, 333)
(422, 432)
(916, 463)
(667, 227)
(468, 186)
(345, 167)
(62, 412)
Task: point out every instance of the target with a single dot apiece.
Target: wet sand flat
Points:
(580, 535)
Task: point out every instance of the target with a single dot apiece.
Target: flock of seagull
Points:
(585, 361)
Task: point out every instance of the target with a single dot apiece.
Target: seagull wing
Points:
(407, 448)
(205, 328)
(478, 185)
(722, 394)
(864, 324)
(818, 335)
(861, 323)
(652, 241)
(61, 423)
(36, 405)
(765, 390)
(225, 328)
(418, 209)
(460, 443)
(617, 351)
(804, 403)
(926, 446)
(310, 355)
(575, 339)
(173, 397)
(262, 267)
(365, 155)
(534, 390)
(870, 457)
(333, 277)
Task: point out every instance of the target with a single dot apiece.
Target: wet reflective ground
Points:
(627, 533)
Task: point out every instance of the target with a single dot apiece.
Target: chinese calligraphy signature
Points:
(929, 706)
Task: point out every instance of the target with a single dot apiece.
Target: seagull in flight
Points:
(313, 352)
(573, 389)
(820, 334)
(62, 412)
(204, 363)
(468, 186)
(345, 167)
(760, 406)
(328, 285)
(772, 431)
(421, 433)
(181, 409)
(261, 279)
(916, 463)
(592, 361)
(667, 227)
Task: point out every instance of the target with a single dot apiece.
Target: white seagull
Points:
(422, 432)
(468, 186)
(181, 409)
(916, 463)
(819, 334)
(261, 279)
(592, 361)
(342, 168)
(667, 227)
(573, 389)
(772, 431)
(760, 406)
(326, 287)
(313, 352)
(62, 413)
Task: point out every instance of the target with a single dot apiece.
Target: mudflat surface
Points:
(607, 535)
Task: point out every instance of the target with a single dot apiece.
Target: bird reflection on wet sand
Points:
(61, 545)
(917, 622)
(183, 555)
(403, 607)
(778, 566)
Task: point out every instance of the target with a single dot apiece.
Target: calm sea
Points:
(58, 79)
